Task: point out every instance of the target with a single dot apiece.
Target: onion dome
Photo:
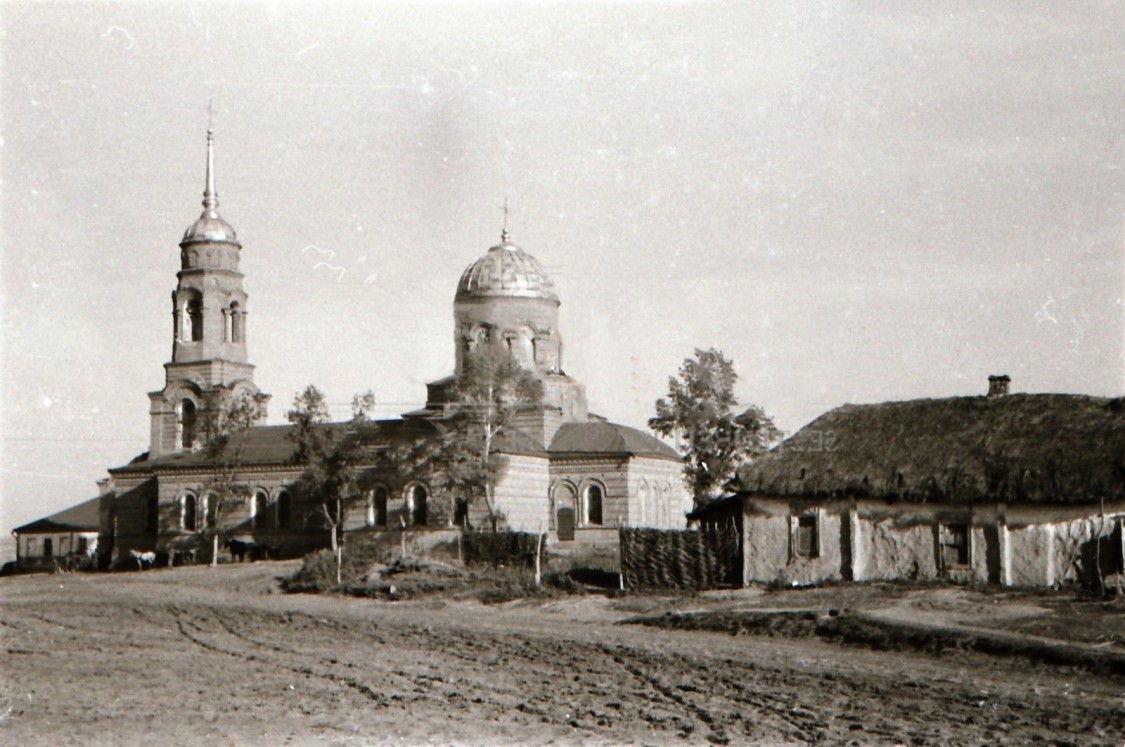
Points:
(505, 271)
(210, 227)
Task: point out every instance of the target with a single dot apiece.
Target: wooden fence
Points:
(707, 558)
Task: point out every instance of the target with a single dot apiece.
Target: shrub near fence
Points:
(501, 548)
(707, 558)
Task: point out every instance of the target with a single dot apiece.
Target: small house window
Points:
(955, 545)
(594, 505)
(48, 547)
(807, 542)
(83, 545)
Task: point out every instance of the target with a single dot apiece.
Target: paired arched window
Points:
(188, 513)
(594, 496)
(187, 423)
(284, 510)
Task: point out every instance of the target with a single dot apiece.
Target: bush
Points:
(502, 548)
(317, 574)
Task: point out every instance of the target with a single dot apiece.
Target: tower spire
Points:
(504, 235)
(210, 197)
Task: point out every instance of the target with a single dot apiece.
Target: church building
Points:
(568, 471)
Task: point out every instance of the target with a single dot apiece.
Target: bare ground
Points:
(201, 656)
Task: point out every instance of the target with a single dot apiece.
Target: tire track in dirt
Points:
(346, 639)
(186, 626)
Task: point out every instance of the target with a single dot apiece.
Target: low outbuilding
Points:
(67, 540)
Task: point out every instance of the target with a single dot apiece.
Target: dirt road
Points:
(200, 656)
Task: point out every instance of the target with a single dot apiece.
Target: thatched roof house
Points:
(1020, 490)
(1037, 448)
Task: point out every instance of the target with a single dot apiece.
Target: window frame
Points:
(588, 517)
(189, 520)
(806, 524)
(949, 534)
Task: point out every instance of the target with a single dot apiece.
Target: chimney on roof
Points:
(998, 386)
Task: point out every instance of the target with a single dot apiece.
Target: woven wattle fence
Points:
(707, 558)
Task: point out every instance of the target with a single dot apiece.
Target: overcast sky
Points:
(857, 202)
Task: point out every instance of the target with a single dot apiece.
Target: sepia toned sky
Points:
(857, 202)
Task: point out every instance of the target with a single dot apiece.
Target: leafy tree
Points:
(700, 409)
(226, 420)
(330, 456)
(463, 459)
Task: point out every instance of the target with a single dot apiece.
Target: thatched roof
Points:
(1041, 448)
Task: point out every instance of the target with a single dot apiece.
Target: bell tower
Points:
(209, 328)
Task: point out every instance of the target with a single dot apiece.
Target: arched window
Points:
(188, 513)
(564, 512)
(235, 316)
(380, 506)
(194, 309)
(594, 505)
(284, 510)
(416, 498)
(187, 423)
(259, 508)
(210, 510)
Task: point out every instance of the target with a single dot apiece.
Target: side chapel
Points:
(569, 472)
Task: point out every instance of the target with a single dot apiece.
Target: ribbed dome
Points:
(210, 227)
(505, 271)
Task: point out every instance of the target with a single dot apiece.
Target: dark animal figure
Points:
(241, 549)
